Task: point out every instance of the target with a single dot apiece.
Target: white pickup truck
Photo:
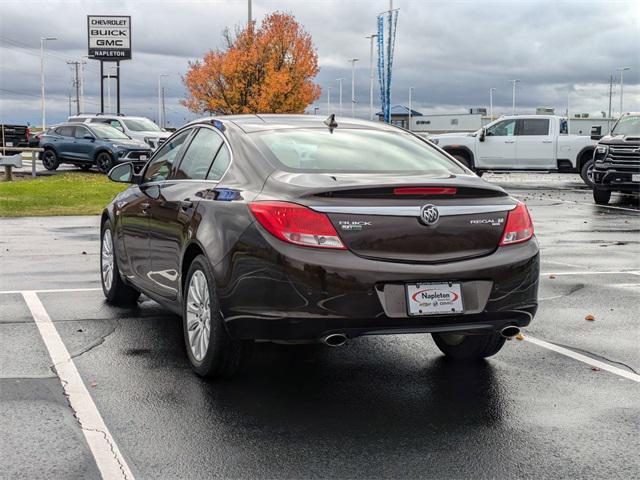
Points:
(535, 142)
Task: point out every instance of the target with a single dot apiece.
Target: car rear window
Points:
(353, 150)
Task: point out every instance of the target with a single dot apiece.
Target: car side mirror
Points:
(123, 173)
(89, 137)
(596, 132)
(483, 133)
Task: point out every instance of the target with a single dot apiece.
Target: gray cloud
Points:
(450, 52)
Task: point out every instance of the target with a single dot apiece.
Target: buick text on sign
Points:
(109, 37)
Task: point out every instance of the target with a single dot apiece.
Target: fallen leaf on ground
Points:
(595, 369)
(590, 317)
(94, 384)
(520, 336)
(552, 277)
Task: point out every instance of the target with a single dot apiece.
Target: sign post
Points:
(109, 40)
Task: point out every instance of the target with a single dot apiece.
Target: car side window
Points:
(66, 131)
(116, 124)
(199, 155)
(220, 164)
(160, 167)
(506, 128)
(81, 132)
(534, 126)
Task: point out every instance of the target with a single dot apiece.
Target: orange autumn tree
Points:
(269, 69)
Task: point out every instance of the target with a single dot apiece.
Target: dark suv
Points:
(616, 166)
(88, 145)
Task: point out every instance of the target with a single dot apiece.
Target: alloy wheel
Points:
(198, 315)
(107, 263)
(104, 162)
(48, 159)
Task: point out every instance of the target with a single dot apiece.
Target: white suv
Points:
(140, 128)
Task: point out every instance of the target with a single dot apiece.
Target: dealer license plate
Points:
(143, 157)
(635, 177)
(434, 298)
(9, 144)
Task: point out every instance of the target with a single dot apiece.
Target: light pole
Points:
(621, 70)
(160, 119)
(491, 90)
(340, 96)
(353, 87)
(315, 110)
(371, 37)
(328, 100)
(42, 102)
(410, 106)
(513, 96)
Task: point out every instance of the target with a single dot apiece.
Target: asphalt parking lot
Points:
(564, 402)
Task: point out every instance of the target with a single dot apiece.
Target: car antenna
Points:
(331, 122)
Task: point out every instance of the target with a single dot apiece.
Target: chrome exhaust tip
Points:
(335, 339)
(510, 331)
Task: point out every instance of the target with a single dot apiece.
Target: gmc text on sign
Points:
(109, 37)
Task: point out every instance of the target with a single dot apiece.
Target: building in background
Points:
(400, 116)
(475, 118)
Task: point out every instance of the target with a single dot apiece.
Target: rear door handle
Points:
(547, 141)
(509, 141)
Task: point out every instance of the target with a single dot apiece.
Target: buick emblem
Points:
(429, 215)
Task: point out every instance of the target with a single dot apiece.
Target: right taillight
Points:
(296, 224)
(519, 227)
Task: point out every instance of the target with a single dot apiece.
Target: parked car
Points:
(89, 145)
(521, 142)
(288, 228)
(140, 128)
(14, 135)
(616, 161)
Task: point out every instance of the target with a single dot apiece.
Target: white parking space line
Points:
(574, 203)
(584, 359)
(104, 449)
(56, 290)
(591, 272)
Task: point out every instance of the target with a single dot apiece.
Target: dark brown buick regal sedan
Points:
(293, 228)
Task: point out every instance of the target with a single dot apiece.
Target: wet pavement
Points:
(378, 407)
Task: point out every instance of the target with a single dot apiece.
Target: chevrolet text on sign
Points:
(109, 37)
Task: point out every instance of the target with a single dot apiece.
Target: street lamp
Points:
(353, 87)
(340, 95)
(621, 70)
(42, 101)
(410, 106)
(491, 90)
(160, 119)
(513, 96)
(371, 37)
(328, 100)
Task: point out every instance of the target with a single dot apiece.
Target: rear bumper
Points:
(276, 291)
(615, 179)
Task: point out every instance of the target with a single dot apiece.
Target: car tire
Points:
(601, 197)
(115, 290)
(50, 159)
(586, 173)
(468, 347)
(211, 350)
(463, 160)
(104, 162)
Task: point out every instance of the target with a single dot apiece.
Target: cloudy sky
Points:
(450, 52)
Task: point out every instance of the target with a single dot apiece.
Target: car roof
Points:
(250, 123)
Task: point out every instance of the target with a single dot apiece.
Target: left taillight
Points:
(28, 133)
(296, 224)
(519, 227)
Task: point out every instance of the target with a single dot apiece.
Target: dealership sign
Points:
(109, 37)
